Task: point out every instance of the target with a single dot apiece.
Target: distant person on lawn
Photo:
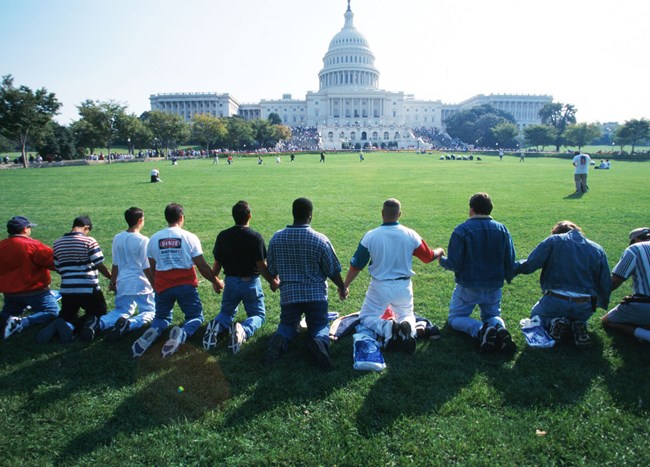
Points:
(25, 278)
(389, 249)
(581, 162)
(173, 252)
(482, 256)
(632, 315)
(574, 280)
(303, 260)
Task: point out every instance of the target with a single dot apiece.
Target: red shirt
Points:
(25, 265)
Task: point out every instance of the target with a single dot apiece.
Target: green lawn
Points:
(93, 404)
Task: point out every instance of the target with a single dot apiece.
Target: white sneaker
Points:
(237, 337)
(141, 345)
(212, 334)
(14, 324)
(176, 337)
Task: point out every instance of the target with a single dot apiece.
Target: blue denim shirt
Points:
(480, 253)
(570, 262)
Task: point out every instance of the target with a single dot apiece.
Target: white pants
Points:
(125, 305)
(398, 294)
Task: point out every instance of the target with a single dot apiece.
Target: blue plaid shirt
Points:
(304, 259)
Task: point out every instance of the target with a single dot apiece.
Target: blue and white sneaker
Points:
(14, 324)
(212, 334)
(141, 345)
(366, 355)
(176, 337)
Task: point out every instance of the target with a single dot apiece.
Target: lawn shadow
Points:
(291, 379)
(180, 388)
(420, 384)
(550, 377)
(575, 195)
(627, 382)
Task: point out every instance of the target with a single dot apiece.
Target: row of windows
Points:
(349, 59)
(363, 135)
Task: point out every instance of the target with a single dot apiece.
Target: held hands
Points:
(218, 286)
(343, 293)
(439, 253)
(275, 284)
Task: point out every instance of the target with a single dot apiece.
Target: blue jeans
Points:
(315, 315)
(188, 299)
(463, 301)
(250, 294)
(44, 308)
(125, 306)
(549, 307)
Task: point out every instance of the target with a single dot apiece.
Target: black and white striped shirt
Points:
(76, 257)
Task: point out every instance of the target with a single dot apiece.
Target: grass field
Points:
(81, 404)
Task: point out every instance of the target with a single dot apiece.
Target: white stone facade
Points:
(349, 107)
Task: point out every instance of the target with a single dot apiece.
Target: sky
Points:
(593, 54)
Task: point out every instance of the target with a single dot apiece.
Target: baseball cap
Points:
(640, 232)
(18, 223)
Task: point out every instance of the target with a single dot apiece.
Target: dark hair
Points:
(302, 209)
(564, 227)
(481, 203)
(173, 213)
(392, 207)
(132, 216)
(82, 221)
(240, 212)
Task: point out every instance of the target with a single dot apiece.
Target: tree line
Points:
(26, 120)
(486, 126)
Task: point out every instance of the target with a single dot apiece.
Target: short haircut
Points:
(173, 213)
(82, 221)
(133, 215)
(240, 212)
(302, 208)
(392, 207)
(481, 203)
(564, 227)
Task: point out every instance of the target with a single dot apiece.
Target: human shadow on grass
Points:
(181, 388)
(627, 382)
(292, 379)
(575, 195)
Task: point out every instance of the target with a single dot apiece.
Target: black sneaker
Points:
(432, 333)
(277, 345)
(559, 329)
(118, 330)
(505, 344)
(319, 353)
(89, 330)
(487, 339)
(581, 337)
(407, 344)
(63, 330)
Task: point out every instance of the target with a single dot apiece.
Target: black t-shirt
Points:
(238, 249)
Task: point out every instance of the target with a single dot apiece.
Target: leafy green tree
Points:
(274, 119)
(24, 113)
(208, 130)
(240, 134)
(539, 135)
(505, 134)
(632, 132)
(559, 116)
(101, 123)
(475, 125)
(134, 132)
(56, 140)
(168, 130)
(581, 134)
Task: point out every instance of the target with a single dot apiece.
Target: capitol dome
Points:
(349, 60)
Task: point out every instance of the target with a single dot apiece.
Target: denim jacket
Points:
(480, 253)
(570, 262)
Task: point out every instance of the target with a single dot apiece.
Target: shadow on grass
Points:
(628, 382)
(574, 195)
(182, 387)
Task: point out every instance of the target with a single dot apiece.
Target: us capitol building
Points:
(349, 106)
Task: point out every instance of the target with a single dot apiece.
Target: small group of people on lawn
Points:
(149, 276)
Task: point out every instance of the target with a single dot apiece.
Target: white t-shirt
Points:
(391, 248)
(130, 257)
(582, 162)
(173, 249)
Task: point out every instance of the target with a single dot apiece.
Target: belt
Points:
(405, 278)
(567, 298)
